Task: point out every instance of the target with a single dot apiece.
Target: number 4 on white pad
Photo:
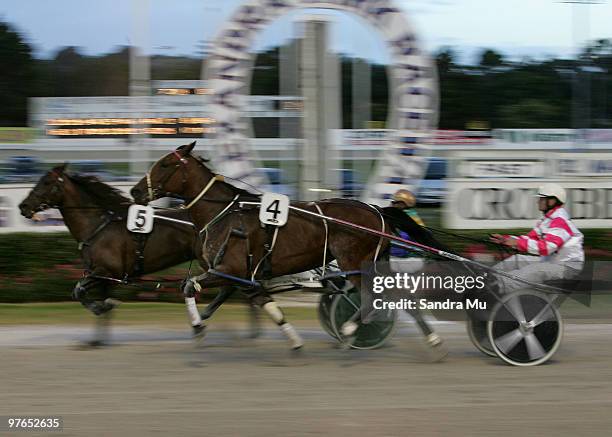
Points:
(274, 209)
(140, 219)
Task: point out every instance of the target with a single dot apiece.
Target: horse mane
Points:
(236, 190)
(102, 194)
(241, 191)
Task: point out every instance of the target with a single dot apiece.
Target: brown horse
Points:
(95, 214)
(236, 245)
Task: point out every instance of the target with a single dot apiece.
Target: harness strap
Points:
(149, 185)
(380, 241)
(215, 219)
(204, 190)
(252, 284)
(326, 238)
(221, 252)
(141, 242)
(179, 157)
(269, 251)
(218, 216)
(107, 220)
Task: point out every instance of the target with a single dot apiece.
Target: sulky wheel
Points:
(525, 328)
(372, 335)
(324, 313)
(477, 331)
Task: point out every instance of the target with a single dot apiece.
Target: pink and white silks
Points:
(557, 245)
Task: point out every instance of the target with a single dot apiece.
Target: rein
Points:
(497, 246)
(108, 219)
(211, 182)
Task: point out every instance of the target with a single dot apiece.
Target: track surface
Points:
(156, 382)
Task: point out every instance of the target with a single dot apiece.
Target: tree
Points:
(16, 77)
(490, 59)
(530, 113)
(445, 60)
(65, 71)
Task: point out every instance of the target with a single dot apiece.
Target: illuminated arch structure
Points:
(414, 100)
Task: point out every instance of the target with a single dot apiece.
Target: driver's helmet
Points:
(405, 196)
(552, 190)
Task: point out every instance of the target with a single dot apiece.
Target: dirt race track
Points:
(156, 382)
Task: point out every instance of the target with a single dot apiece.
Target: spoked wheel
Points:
(346, 307)
(324, 313)
(525, 328)
(477, 331)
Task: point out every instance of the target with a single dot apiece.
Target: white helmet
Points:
(552, 190)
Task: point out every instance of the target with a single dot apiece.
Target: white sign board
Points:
(274, 209)
(511, 203)
(140, 219)
(502, 169)
(584, 164)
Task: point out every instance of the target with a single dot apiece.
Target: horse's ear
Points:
(186, 149)
(60, 168)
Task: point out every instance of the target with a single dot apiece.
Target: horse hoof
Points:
(433, 340)
(438, 354)
(349, 328)
(92, 344)
(292, 335)
(254, 334)
(199, 332)
(436, 346)
(112, 303)
(104, 310)
(347, 343)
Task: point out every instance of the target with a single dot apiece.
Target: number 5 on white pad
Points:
(140, 219)
(274, 209)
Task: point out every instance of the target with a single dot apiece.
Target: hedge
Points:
(46, 266)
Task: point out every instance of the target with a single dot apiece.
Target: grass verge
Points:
(130, 313)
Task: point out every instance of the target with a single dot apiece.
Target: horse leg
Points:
(347, 262)
(412, 266)
(100, 309)
(103, 320)
(259, 298)
(82, 289)
(224, 294)
(191, 287)
(265, 301)
(254, 320)
(431, 338)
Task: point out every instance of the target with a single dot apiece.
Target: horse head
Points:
(47, 193)
(169, 176)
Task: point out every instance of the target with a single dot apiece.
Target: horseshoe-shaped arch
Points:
(413, 101)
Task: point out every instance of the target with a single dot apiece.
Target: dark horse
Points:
(237, 248)
(95, 214)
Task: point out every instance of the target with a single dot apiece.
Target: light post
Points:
(581, 93)
(139, 85)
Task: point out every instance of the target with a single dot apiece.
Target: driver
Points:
(402, 259)
(409, 226)
(555, 241)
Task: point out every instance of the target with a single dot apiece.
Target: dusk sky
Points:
(535, 28)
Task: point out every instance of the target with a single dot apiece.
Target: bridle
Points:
(58, 182)
(152, 191)
(182, 164)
